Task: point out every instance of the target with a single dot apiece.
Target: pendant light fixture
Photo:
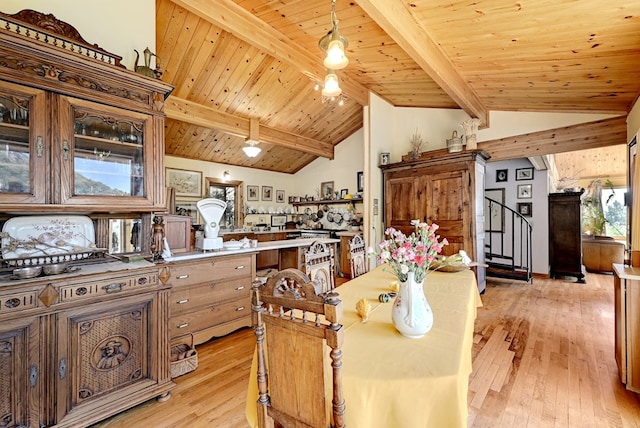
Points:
(331, 86)
(251, 149)
(334, 44)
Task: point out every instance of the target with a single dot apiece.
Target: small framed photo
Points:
(267, 193)
(252, 193)
(343, 193)
(326, 190)
(524, 174)
(280, 196)
(360, 181)
(524, 209)
(278, 220)
(525, 191)
(385, 158)
(186, 183)
(502, 175)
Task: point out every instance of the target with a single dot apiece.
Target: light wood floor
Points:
(543, 357)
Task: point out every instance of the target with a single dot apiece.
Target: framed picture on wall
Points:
(494, 213)
(280, 196)
(186, 183)
(267, 193)
(252, 193)
(524, 208)
(326, 190)
(524, 174)
(525, 191)
(360, 181)
(502, 175)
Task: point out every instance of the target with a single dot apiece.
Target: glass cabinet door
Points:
(104, 151)
(23, 152)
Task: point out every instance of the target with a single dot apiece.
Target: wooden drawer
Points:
(187, 299)
(206, 271)
(93, 288)
(209, 316)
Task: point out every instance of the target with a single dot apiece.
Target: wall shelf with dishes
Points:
(327, 201)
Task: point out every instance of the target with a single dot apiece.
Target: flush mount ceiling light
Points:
(334, 44)
(250, 149)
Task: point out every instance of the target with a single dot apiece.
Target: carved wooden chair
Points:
(319, 264)
(358, 254)
(294, 325)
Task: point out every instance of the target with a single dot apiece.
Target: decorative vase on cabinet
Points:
(411, 314)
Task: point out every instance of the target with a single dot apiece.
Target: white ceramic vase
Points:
(411, 313)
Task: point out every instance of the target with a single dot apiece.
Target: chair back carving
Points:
(319, 264)
(294, 325)
(358, 256)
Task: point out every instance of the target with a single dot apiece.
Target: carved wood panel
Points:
(112, 351)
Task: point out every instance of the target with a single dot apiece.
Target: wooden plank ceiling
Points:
(232, 61)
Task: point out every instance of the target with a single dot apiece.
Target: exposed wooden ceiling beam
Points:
(232, 18)
(394, 18)
(197, 114)
(590, 135)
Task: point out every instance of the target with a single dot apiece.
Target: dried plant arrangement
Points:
(416, 143)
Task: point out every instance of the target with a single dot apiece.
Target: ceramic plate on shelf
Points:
(47, 235)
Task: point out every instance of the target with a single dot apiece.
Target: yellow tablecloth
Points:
(391, 381)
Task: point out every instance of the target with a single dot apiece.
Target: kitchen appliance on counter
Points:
(211, 210)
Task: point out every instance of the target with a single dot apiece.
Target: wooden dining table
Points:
(391, 381)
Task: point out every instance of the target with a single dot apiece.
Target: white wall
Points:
(540, 206)
(117, 26)
(348, 160)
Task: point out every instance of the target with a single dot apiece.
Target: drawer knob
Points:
(182, 276)
(183, 301)
(239, 267)
(241, 287)
(186, 324)
(240, 308)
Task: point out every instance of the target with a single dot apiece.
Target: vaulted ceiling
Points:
(233, 61)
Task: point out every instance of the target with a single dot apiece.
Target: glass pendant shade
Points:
(331, 86)
(251, 150)
(336, 59)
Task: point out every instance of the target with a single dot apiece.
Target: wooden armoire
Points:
(443, 188)
(565, 235)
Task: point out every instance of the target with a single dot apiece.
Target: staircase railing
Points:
(508, 243)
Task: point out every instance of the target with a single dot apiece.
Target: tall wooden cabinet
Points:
(80, 132)
(565, 235)
(442, 188)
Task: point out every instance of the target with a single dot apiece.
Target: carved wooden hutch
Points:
(442, 188)
(79, 133)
